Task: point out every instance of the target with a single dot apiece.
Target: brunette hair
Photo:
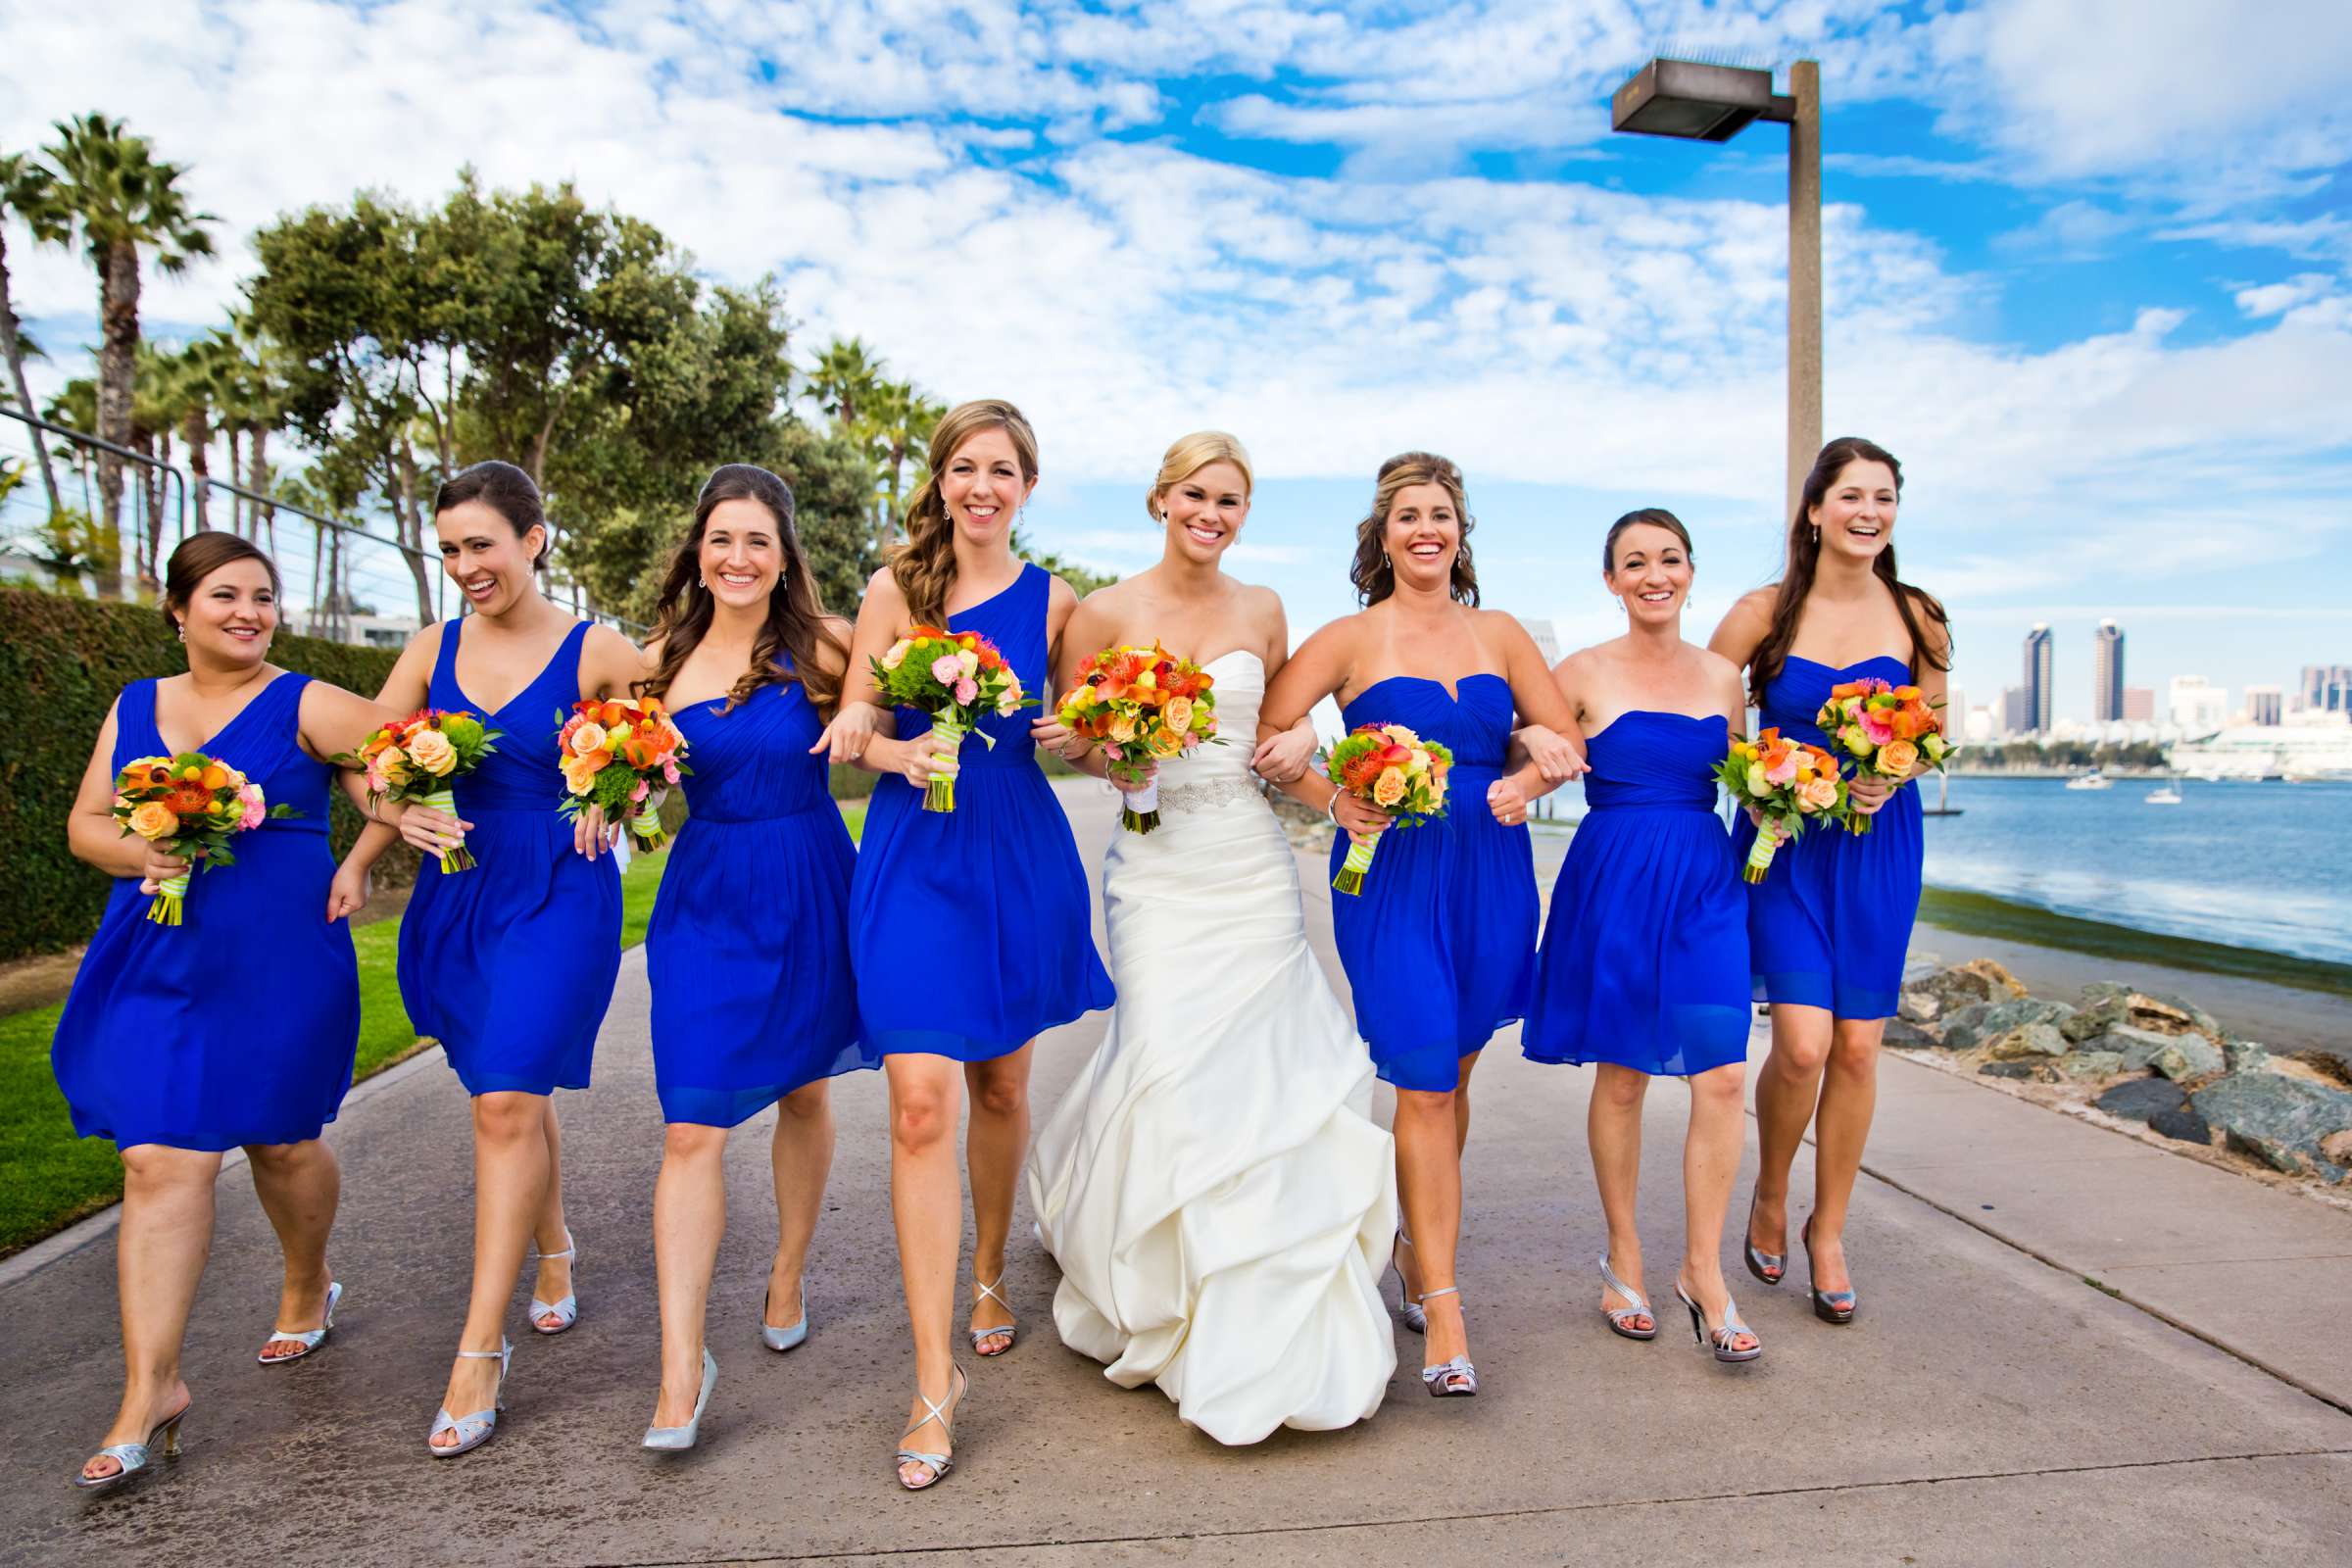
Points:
(1372, 573)
(1188, 456)
(1804, 558)
(1656, 518)
(197, 558)
(924, 567)
(505, 490)
(796, 616)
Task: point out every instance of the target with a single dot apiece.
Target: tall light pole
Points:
(1714, 103)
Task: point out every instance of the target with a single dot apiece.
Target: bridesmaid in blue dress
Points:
(160, 1048)
(748, 950)
(1644, 969)
(1829, 926)
(1439, 944)
(970, 931)
(508, 964)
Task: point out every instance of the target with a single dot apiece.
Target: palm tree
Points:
(902, 419)
(158, 407)
(28, 190)
(75, 406)
(201, 385)
(843, 376)
(121, 197)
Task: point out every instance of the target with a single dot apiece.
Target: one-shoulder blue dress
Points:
(1440, 946)
(971, 931)
(749, 945)
(1644, 956)
(510, 963)
(237, 1026)
(1831, 924)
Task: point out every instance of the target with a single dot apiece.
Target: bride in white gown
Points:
(1212, 1184)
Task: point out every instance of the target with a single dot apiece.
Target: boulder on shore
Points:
(1946, 991)
(2107, 1006)
(2161, 1104)
(1982, 1021)
(2286, 1123)
(2027, 1040)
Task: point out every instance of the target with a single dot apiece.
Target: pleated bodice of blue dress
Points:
(510, 963)
(239, 1025)
(971, 931)
(1644, 956)
(748, 950)
(1439, 944)
(1830, 925)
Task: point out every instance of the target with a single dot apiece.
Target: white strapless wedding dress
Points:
(1212, 1186)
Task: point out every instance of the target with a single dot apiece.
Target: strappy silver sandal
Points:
(1830, 1306)
(1010, 1331)
(1621, 1317)
(1770, 1267)
(309, 1339)
(567, 1310)
(1456, 1378)
(1720, 1338)
(473, 1430)
(1408, 1306)
(939, 1464)
(135, 1458)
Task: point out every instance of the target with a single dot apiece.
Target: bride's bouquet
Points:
(623, 754)
(1142, 705)
(1395, 769)
(1886, 730)
(954, 676)
(189, 806)
(1789, 783)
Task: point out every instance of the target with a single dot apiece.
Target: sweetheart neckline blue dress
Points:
(1644, 959)
(1440, 946)
(239, 1025)
(511, 964)
(1830, 925)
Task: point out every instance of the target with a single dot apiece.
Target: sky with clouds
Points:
(2088, 261)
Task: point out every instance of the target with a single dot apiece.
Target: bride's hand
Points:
(1283, 759)
(1127, 783)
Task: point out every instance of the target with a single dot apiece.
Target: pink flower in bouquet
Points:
(669, 772)
(642, 790)
(1783, 770)
(967, 689)
(946, 670)
(257, 810)
(1876, 727)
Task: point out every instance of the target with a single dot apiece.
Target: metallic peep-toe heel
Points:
(791, 1334)
(1408, 1306)
(473, 1430)
(567, 1310)
(309, 1339)
(939, 1464)
(677, 1440)
(1830, 1306)
(1720, 1338)
(1010, 1331)
(1455, 1379)
(1619, 1317)
(1770, 1267)
(135, 1458)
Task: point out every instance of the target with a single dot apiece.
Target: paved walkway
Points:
(1987, 1407)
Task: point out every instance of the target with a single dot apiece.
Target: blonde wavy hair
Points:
(1189, 455)
(924, 567)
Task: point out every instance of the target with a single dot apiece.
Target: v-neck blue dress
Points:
(1440, 946)
(510, 963)
(238, 1025)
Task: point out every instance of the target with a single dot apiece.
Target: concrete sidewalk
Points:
(1987, 1407)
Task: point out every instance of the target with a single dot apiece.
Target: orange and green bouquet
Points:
(416, 758)
(1395, 769)
(624, 755)
(1883, 729)
(189, 806)
(1142, 705)
(954, 676)
(1789, 783)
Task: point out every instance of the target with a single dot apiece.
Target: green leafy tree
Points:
(28, 192)
(846, 374)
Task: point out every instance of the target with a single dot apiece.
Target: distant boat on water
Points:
(2164, 795)
(2092, 780)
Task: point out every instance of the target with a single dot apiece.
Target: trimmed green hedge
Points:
(63, 660)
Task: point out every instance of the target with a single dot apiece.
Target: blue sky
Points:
(2089, 261)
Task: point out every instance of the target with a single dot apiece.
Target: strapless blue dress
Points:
(1440, 946)
(748, 950)
(510, 963)
(239, 1025)
(1644, 959)
(971, 931)
(1831, 925)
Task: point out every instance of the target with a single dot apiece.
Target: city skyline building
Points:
(2327, 688)
(2265, 704)
(2195, 705)
(2107, 673)
(2040, 651)
(2014, 712)
(2140, 704)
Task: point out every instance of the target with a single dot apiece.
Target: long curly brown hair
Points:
(924, 567)
(1372, 573)
(796, 624)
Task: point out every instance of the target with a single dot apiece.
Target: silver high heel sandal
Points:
(309, 1339)
(1010, 1331)
(1770, 1267)
(473, 1430)
(1721, 1337)
(135, 1458)
(792, 1334)
(1830, 1306)
(939, 1464)
(677, 1440)
(567, 1310)
(1408, 1306)
(1620, 1317)
(1456, 1378)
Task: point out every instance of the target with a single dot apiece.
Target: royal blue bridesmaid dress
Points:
(510, 963)
(971, 931)
(1440, 946)
(1644, 956)
(237, 1026)
(749, 947)
(1831, 924)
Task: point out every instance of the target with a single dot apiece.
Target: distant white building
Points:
(1541, 632)
(2196, 704)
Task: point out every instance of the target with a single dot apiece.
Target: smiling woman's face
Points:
(1651, 573)
(983, 487)
(1205, 510)
(1856, 513)
(232, 613)
(1423, 535)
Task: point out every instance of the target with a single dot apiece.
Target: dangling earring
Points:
(1817, 533)
(1386, 564)
(181, 628)
(704, 583)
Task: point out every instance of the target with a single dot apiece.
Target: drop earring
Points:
(181, 629)
(1817, 533)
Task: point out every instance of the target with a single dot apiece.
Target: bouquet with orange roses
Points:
(1789, 783)
(623, 754)
(954, 676)
(187, 807)
(415, 759)
(1884, 729)
(1396, 770)
(1142, 705)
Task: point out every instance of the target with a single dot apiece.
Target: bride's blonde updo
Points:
(1188, 456)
